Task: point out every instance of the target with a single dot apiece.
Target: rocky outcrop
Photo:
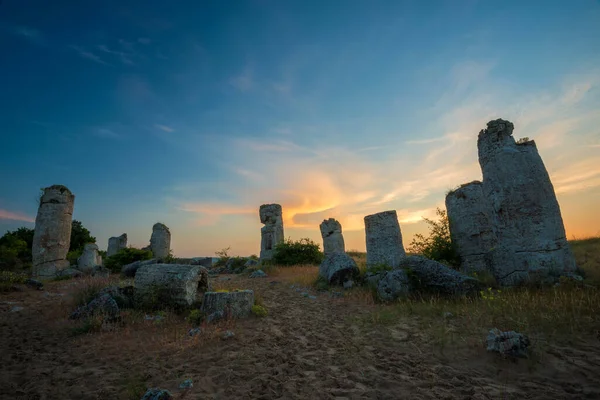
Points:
(510, 224)
(433, 277)
(130, 270)
(88, 259)
(115, 244)
(393, 285)
(52, 235)
(160, 241)
(271, 215)
(166, 285)
(103, 305)
(338, 268)
(384, 239)
(236, 304)
(333, 240)
(470, 225)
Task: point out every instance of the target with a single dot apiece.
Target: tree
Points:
(80, 236)
(438, 245)
(15, 249)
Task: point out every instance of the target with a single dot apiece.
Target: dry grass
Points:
(587, 255)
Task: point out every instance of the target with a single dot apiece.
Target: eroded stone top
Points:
(270, 213)
(330, 226)
(156, 227)
(57, 194)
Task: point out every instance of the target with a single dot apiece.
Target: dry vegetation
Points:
(328, 347)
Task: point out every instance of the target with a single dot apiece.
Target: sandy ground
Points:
(305, 349)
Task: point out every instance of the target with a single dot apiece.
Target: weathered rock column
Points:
(525, 213)
(470, 225)
(52, 235)
(166, 284)
(115, 244)
(89, 258)
(384, 239)
(333, 240)
(272, 233)
(160, 241)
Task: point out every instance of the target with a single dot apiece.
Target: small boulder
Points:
(35, 284)
(188, 383)
(251, 263)
(338, 268)
(130, 270)
(258, 274)
(237, 304)
(157, 394)
(70, 272)
(103, 304)
(393, 284)
(432, 276)
(122, 295)
(509, 343)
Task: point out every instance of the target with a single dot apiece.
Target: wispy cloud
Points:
(164, 128)
(15, 216)
(244, 81)
(88, 55)
(106, 133)
(30, 34)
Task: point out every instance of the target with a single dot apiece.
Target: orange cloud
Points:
(15, 216)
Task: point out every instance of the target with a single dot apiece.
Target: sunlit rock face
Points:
(333, 240)
(383, 239)
(271, 215)
(515, 220)
(52, 234)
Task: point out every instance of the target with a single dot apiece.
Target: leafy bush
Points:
(259, 311)
(15, 249)
(8, 279)
(303, 251)
(438, 245)
(196, 317)
(380, 268)
(237, 263)
(223, 257)
(126, 256)
(73, 255)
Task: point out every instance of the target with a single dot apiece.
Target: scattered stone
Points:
(336, 294)
(153, 317)
(157, 394)
(224, 278)
(273, 282)
(258, 274)
(88, 259)
(272, 233)
(393, 285)
(205, 262)
(337, 268)
(348, 284)
(188, 383)
(509, 343)
(447, 315)
(333, 240)
(228, 335)
(305, 294)
(251, 263)
(35, 284)
(237, 304)
(103, 304)
(167, 284)
(312, 297)
(194, 331)
(432, 276)
(130, 270)
(52, 234)
(115, 244)
(16, 309)
(383, 239)
(70, 272)
(160, 241)
(122, 295)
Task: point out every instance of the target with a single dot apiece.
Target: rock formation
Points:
(525, 239)
(338, 267)
(235, 304)
(384, 239)
(52, 235)
(115, 244)
(272, 233)
(160, 241)
(470, 225)
(89, 258)
(333, 240)
(167, 284)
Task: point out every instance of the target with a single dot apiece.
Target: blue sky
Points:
(195, 113)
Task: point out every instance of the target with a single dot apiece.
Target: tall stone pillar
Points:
(272, 233)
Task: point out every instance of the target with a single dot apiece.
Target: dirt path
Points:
(305, 349)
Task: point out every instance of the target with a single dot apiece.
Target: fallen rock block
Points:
(258, 274)
(103, 304)
(509, 343)
(393, 284)
(432, 276)
(338, 268)
(236, 304)
(157, 394)
(166, 285)
(130, 270)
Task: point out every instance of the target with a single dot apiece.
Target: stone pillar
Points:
(384, 239)
(52, 235)
(115, 244)
(525, 214)
(333, 240)
(160, 241)
(470, 225)
(89, 258)
(272, 233)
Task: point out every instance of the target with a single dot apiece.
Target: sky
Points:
(194, 113)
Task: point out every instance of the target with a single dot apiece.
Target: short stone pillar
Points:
(115, 244)
(89, 258)
(384, 239)
(272, 233)
(52, 235)
(333, 240)
(160, 241)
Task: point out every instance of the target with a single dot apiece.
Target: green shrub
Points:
(438, 245)
(126, 256)
(196, 317)
(321, 283)
(259, 311)
(237, 263)
(9, 278)
(303, 251)
(379, 268)
(73, 255)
